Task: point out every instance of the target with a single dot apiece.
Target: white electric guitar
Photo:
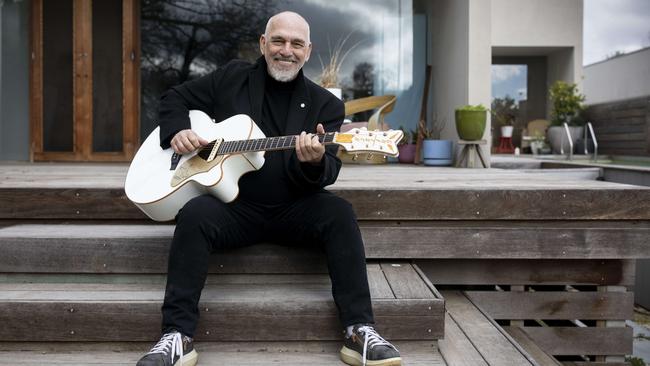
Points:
(160, 182)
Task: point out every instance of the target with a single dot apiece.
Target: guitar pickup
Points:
(215, 149)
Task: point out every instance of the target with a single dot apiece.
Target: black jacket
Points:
(238, 87)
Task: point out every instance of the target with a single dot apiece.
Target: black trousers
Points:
(205, 225)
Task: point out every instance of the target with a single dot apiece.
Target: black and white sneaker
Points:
(173, 349)
(365, 347)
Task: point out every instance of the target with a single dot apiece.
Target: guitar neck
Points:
(263, 144)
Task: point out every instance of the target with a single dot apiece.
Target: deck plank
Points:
(495, 348)
(414, 353)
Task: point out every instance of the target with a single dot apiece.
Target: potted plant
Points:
(406, 147)
(435, 151)
(329, 77)
(504, 112)
(470, 122)
(566, 106)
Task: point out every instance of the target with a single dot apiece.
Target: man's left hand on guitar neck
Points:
(308, 148)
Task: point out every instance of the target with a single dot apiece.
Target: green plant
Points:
(504, 111)
(407, 137)
(433, 132)
(635, 361)
(566, 104)
(478, 107)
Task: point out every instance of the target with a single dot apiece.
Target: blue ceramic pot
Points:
(437, 152)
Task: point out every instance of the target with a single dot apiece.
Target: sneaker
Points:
(365, 347)
(173, 349)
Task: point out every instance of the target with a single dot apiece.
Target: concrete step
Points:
(320, 353)
(240, 307)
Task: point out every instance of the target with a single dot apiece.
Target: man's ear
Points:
(262, 43)
(308, 53)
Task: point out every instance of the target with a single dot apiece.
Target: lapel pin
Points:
(302, 105)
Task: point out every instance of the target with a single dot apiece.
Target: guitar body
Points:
(160, 191)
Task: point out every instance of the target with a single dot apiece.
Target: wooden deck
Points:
(553, 252)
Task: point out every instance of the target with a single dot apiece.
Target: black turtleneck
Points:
(270, 185)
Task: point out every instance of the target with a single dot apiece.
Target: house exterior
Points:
(79, 87)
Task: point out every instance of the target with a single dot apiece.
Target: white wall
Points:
(536, 23)
(461, 59)
(620, 78)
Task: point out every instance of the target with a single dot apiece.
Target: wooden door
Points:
(84, 92)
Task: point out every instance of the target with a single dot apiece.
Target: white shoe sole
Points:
(189, 359)
(354, 358)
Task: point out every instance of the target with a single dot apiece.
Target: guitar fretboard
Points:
(263, 144)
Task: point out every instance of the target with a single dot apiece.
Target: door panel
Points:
(107, 76)
(57, 72)
(84, 81)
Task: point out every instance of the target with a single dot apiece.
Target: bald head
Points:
(288, 18)
(285, 45)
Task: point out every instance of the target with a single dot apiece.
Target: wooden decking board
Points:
(541, 357)
(561, 341)
(234, 307)
(456, 348)
(66, 191)
(405, 281)
(529, 272)
(427, 203)
(113, 176)
(555, 305)
(112, 248)
(492, 344)
(414, 353)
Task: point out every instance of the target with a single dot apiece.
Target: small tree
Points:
(504, 110)
(567, 103)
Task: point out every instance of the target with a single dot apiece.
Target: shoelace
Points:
(170, 343)
(372, 339)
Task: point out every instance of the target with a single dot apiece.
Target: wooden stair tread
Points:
(233, 307)
(138, 248)
(388, 192)
(414, 353)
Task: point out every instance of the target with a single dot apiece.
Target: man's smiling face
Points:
(285, 45)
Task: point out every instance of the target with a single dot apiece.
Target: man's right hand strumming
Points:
(186, 141)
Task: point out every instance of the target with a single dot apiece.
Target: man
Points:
(291, 206)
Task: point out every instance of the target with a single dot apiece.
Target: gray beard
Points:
(281, 75)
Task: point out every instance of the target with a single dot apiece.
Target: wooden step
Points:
(132, 248)
(390, 192)
(414, 353)
(234, 308)
(474, 339)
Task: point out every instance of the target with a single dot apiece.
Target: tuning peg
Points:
(369, 156)
(355, 157)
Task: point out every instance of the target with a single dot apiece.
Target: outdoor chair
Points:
(533, 129)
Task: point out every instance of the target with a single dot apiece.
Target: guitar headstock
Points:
(360, 140)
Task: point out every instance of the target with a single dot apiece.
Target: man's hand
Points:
(186, 141)
(308, 148)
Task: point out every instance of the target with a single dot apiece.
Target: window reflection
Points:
(184, 39)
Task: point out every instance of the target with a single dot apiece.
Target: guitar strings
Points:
(268, 143)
